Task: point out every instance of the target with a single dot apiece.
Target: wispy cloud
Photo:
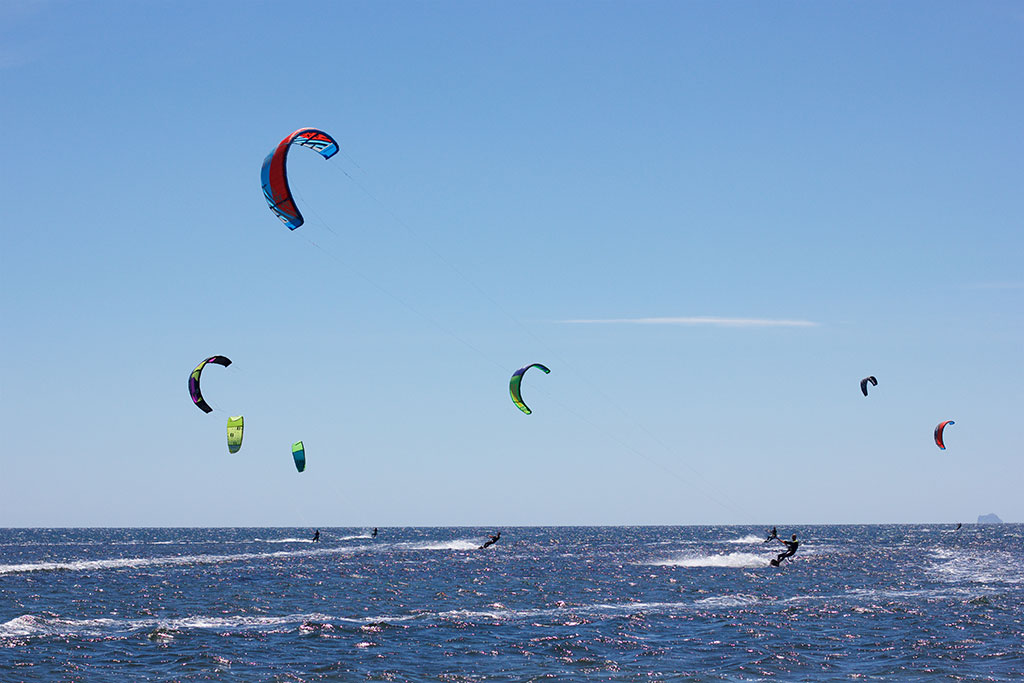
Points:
(697, 320)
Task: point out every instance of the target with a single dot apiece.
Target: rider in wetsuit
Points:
(494, 539)
(791, 547)
(772, 534)
(316, 536)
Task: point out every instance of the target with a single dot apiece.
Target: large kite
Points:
(515, 386)
(275, 174)
(193, 381)
(864, 384)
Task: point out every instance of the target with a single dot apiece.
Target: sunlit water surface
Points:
(572, 603)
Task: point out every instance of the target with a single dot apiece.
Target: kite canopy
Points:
(193, 381)
(236, 425)
(275, 174)
(864, 384)
(515, 386)
(938, 433)
(299, 454)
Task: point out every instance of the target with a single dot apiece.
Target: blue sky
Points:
(710, 220)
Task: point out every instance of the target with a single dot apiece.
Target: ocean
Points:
(687, 603)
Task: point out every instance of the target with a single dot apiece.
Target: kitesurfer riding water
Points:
(791, 547)
(772, 534)
(494, 539)
(374, 534)
(316, 536)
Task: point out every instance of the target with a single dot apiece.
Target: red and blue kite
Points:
(275, 175)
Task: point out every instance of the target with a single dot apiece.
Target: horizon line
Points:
(695, 320)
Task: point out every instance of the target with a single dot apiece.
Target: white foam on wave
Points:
(984, 567)
(883, 594)
(32, 625)
(185, 560)
(29, 625)
(164, 561)
(284, 540)
(738, 560)
(455, 544)
(749, 538)
(737, 600)
(50, 625)
(602, 610)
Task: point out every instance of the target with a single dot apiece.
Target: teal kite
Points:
(299, 454)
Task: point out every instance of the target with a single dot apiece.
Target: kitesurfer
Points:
(958, 525)
(772, 534)
(791, 547)
(374, 534)
(316, 536)
(494, 539)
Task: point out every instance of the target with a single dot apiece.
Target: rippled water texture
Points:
(597, 604)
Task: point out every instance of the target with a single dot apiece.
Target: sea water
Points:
(571, 603)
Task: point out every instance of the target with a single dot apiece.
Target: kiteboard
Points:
(774, 563)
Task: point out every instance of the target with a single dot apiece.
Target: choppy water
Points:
(572, 603)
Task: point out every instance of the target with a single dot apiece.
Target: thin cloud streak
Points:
(698, 320)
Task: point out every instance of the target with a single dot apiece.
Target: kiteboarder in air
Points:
(772, 534)
(791, 547)
(494, 539)
(316, 536)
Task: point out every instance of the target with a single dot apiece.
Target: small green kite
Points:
(236, 425)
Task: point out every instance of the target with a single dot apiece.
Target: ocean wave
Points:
(187, 560)
(749, 538)
(737, 560)
(456, 544)
(161, 561)
(737, 600)
(51, 625)
(911, 594)
(984, 567)
(29, 625)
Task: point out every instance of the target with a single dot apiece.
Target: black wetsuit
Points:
(791, 547)
(374, 534)
(494, 539)
(316, 536)
(771, 535)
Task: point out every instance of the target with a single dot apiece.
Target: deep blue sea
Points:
(897, 603)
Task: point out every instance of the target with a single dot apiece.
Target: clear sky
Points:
(710, 220)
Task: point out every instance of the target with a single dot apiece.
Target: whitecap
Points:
(167, 560)
(739, 560)
(737, 600)
(456, 544)
(749, 538)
